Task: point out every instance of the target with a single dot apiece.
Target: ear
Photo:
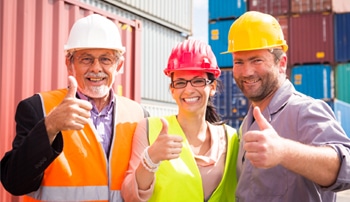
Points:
(120, 64)
(213, 88)
(283, 64)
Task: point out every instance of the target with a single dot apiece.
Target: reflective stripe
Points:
(115, 196)
(46, 193)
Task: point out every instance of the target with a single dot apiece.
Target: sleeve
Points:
(129, 190)
(23, 166)
(320, 121)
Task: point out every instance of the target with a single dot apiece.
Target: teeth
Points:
(95, 79)
(191, 99)
(253, 81)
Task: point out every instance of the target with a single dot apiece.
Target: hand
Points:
(166, 146)
(264, 148)
(70, 114)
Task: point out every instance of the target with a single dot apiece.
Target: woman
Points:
(190, 156)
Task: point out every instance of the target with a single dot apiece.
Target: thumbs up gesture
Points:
(70, 114)
(264, 148)
(166, 146)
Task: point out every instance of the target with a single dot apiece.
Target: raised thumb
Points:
(260, 119)
(165, 126)
(72, 87)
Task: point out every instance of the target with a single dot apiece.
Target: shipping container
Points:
(311, 38)
(342, 113)
(342, 82)
(223, 9)
(218, 40)
(159, 109)
(176, 15)
(342, 37)
(272, 7)
(314, 6)
(314, 80)
(33, 34)
(231, 104)
(157, 43)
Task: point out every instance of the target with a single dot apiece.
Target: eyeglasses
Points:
(196, 82)
(103, 59)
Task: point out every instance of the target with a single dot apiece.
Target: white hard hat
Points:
(94, 31)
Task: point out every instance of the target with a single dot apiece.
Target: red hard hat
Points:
(192, 55)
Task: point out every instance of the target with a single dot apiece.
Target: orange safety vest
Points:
(82, 172)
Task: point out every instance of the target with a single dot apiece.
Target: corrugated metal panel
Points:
(223, 9)
(342, 113)
(272, 7)
(314, 80)
(308, 6)
(340, 6)
(231, 104)
(32, 58)
(175, 15)
(311, 38)
(342, 82)
(342, 37)
(218, 40)
(157, 42)
(160, 109)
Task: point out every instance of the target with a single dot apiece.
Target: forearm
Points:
(144, 178)
(319, 164)
(22, 168)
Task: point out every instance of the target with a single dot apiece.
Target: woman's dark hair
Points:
(211, 114)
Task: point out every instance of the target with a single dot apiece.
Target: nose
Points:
(96, 66)
(244, 70)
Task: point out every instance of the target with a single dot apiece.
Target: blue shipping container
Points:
(342, 37)
(314, 80)
(218, 40)
(231, 104)
(342, 113)
(223, 9)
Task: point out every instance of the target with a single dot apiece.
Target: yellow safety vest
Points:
(180, 180)
(82, 172)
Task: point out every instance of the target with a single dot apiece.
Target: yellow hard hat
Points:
(255, 30)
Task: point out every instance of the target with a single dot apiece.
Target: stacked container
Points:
(231, 103)
(318, 36)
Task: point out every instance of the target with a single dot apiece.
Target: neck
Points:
(197, 133)
(101, 103)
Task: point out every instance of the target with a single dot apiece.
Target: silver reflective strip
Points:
(115, 196)
(83, 193)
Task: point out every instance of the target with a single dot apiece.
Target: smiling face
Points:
(192, 99)
(95, 71)
(257, 73)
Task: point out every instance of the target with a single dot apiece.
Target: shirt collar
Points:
(109, 106)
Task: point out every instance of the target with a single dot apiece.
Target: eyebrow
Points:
(249, 59)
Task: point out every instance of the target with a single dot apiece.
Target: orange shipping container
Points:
(33, 33)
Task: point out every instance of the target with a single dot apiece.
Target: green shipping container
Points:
(342, 82)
